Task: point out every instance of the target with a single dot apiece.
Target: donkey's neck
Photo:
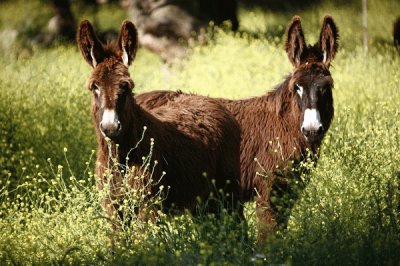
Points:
(287, 110)
(279, 119)
(135, 141)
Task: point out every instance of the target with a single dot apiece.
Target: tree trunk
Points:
(169, 27)
(364, 25)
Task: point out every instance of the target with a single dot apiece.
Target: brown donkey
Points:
(396, 33)
(196, 139)
(284, 124)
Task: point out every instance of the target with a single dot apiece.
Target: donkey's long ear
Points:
(127, 42)
(295, 43)
(328, 40)
(90, 46)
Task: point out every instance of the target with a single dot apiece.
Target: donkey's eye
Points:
(299, 89)
(94, 88)
(124, 85)
(323, 90)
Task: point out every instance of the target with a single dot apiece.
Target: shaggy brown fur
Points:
(396, 33)
(271, 124)
(193, 135)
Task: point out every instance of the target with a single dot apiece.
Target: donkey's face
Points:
(111, 87)
(311, 79)
(313, 86)
(109, 81)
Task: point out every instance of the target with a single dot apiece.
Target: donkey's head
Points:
(109, 81)
(311, 80)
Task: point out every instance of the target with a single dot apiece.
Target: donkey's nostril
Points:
(110, 130)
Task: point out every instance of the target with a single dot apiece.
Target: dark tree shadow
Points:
(283, 5)
(287, 5)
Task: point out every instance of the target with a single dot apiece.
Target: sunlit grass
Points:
(347, 214)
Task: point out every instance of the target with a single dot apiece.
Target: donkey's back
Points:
(201, 146)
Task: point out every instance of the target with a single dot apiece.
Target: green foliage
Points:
(348, 213)
(353, 197)
(39, 226)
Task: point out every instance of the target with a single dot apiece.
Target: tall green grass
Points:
(347, 214)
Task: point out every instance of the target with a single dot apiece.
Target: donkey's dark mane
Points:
(280, 88)
(111, 49)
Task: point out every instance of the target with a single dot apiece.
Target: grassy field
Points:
(348, 214)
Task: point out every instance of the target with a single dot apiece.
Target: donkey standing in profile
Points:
(197, 140)
(283, 125)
